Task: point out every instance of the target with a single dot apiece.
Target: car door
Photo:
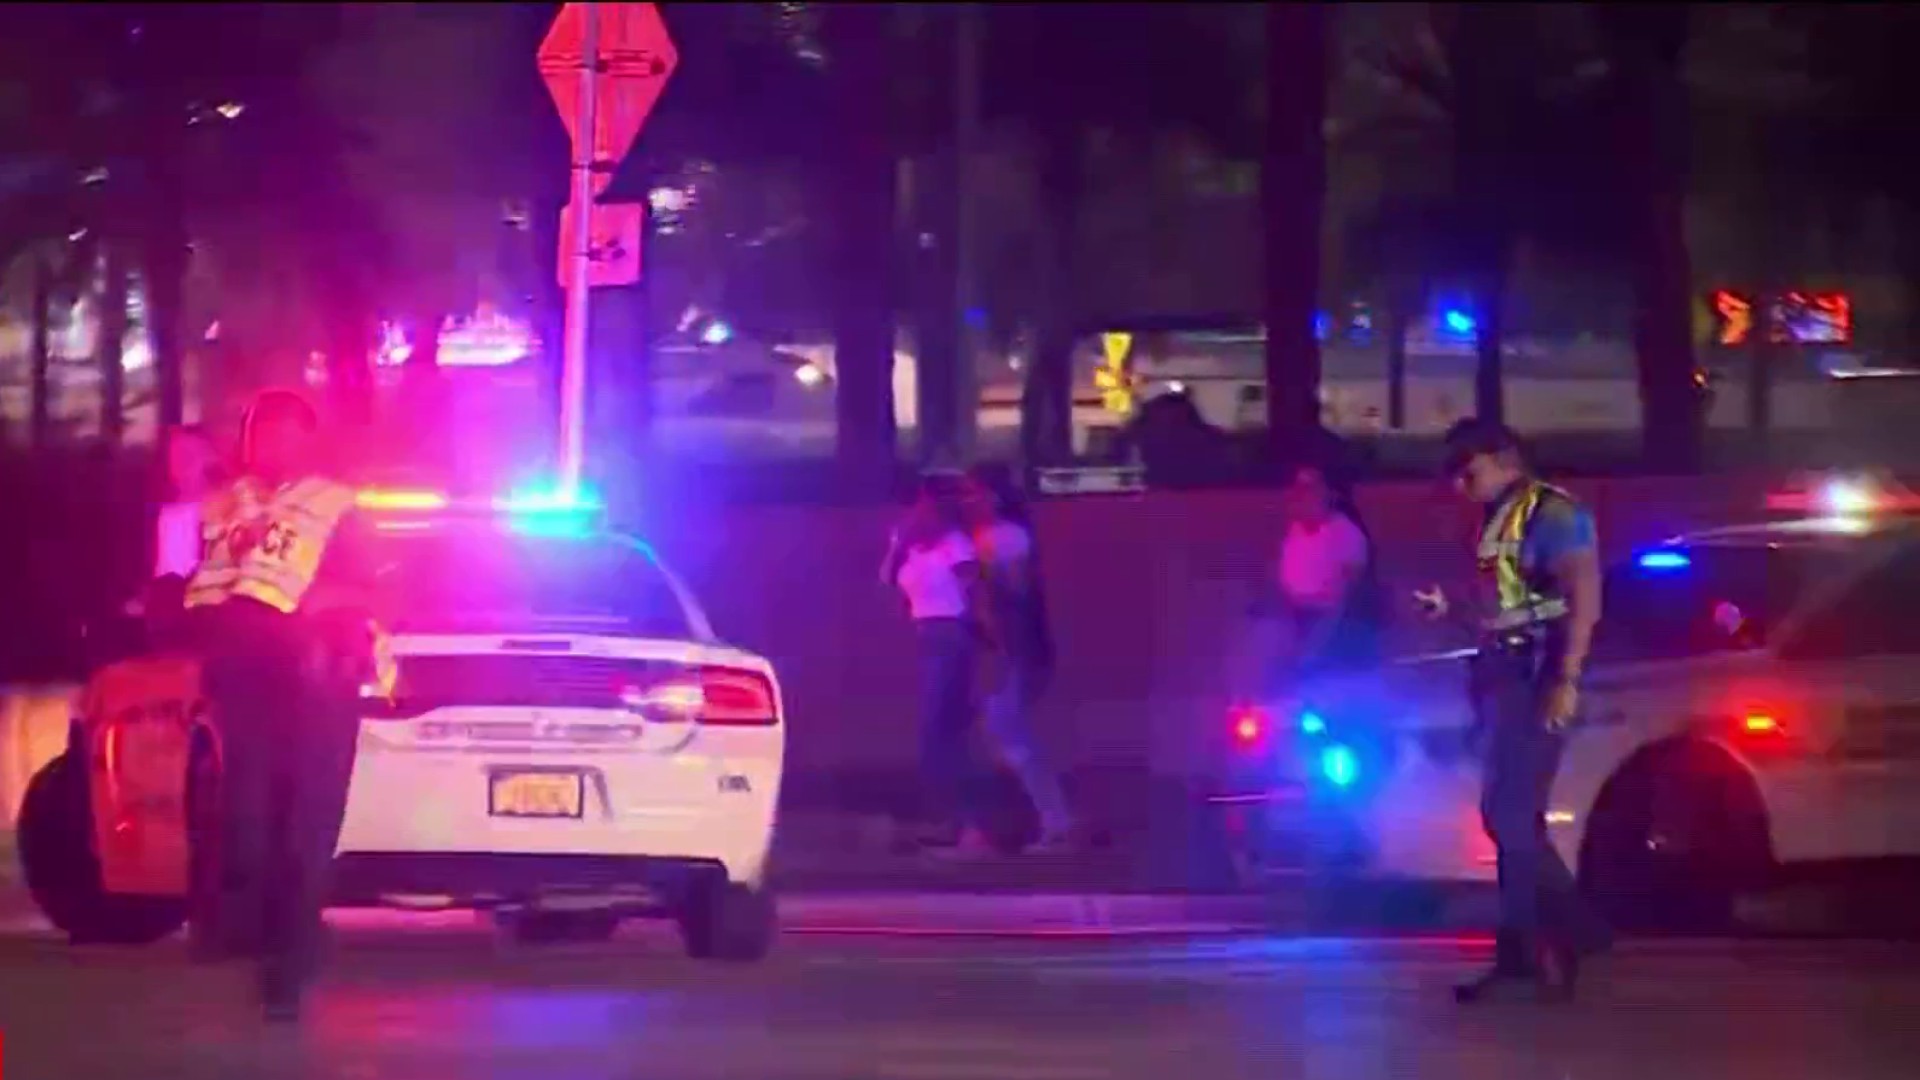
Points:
(1858, 655)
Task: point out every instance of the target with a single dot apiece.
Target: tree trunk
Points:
(1046, 405)
(864, 197)
(40, 424)
(1471, 40)
(936, 330)
(1489, 334)
(1645, 42)
(1292, 194)
(164, 266)
(1400, 308)
(110, 346)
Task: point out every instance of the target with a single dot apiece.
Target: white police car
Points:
(1753, 703)
(569, 742)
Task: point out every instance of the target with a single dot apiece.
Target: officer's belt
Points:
(1541, 611)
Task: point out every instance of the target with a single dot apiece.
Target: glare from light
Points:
(1312, 724)
(1339, 765)
(1176, 387)
(1460, 322)
(1759, 724)
(382, 499)
(809, 375)
(557, 500)
(716, 333)
(231, 110)
(1846, 499)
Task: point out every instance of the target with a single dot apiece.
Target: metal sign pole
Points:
(573, 364)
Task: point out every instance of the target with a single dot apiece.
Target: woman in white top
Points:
(1003, 536)
(1323, 577)
(931, 560)
(192, 472)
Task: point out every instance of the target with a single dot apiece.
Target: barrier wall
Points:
(1148, 594)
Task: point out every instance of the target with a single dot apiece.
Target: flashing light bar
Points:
(522, 504)
(1844, 497)
(1664, 559)
(391, 499)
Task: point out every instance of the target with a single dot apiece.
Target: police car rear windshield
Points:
(481, 580)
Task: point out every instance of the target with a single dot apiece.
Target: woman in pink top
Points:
(1324, 578)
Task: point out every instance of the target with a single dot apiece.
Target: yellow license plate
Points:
(536, 794)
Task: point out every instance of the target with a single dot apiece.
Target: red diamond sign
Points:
(636, 58)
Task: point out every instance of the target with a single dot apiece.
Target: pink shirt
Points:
(1317, 562)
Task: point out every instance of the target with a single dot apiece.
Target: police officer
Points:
(1537, 555)
(276, 606)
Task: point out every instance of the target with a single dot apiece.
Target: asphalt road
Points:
(440, 998)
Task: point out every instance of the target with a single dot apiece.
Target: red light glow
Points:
(1759, 724)
(1249, 724)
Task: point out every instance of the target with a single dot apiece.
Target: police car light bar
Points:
(1843, 497)
(395, 499)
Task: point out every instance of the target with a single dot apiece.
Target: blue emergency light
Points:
(1663, 560)
(1340, 765)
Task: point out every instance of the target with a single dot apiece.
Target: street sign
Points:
(614, 253)
(636, 58)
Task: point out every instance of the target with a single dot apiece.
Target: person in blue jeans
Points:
(1003, 538)
(932, 561)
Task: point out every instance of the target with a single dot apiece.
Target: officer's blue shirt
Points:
(1560, 527)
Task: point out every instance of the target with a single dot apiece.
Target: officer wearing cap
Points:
(281, 612)
(1538, 559)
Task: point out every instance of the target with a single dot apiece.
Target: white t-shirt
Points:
(177, 540)
(929, 576)
(1315, 562)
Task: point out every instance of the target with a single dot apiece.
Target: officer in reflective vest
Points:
(1538, 558)
(279, 604)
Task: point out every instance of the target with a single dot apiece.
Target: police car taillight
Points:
(399, 499)
(1249, 725)
(1843, 496)
(713, 696)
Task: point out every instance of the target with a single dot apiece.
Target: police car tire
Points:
(730, 922)
(1694, 892)
(558, 927)
(62, 874)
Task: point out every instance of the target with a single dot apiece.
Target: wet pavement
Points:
(441, 998)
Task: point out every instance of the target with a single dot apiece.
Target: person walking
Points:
(1538, 559)
(278, 607)
(1003, 536)
(1324, 575)
(932, 561)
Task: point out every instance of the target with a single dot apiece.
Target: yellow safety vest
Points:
(1499, 553)
(267, 546)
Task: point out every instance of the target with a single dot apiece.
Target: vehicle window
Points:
(1876, 616)
(1707, 599)
(481, 579)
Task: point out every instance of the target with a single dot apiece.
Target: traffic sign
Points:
(636, 57)
(614, 254)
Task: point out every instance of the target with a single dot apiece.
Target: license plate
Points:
(536, 794)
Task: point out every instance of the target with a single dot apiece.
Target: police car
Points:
(1752, 704)
(568, 744)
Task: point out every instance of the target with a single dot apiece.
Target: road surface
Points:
(439, 998)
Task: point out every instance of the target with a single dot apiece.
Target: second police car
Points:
(568, 744)
(1752, 704)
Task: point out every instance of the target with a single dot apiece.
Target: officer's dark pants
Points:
(287, 746)
(1540, 904)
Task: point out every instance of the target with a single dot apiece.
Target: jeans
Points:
(287, 753)
(1540, 903)
(1009, 719)
(946, 653)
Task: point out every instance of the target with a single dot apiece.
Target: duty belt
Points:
(1545, 610)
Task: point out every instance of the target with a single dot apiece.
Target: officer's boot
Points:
(1512, 968)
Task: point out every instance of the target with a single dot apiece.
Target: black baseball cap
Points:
(1470, 438)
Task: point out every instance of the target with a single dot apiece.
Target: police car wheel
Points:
(1675, 838)
(536, 927)
(729, 922)
(56, 857)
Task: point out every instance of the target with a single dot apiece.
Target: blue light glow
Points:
(1311, 723)
(1459, 322)
(1339, 765)
(549, 501)
(1665, 559)
(716, 333)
